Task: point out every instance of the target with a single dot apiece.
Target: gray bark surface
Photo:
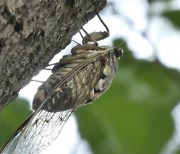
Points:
(32, 32)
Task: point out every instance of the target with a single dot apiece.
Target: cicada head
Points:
(109, 62)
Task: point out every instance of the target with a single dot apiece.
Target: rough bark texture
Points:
(32, 32)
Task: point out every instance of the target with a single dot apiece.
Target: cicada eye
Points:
(118, 52)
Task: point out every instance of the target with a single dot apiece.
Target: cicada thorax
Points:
(86, 75)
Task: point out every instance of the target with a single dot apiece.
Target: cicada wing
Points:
(44, 126)
(38, 133)
(11, 145)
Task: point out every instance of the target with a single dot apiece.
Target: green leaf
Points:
(173, 16)
(134, 115)
(152, 1)
(11, 118)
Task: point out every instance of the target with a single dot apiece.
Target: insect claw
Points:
(52, 64)
(47, 69)
(76, 42)
(37, 81)
(81, 35)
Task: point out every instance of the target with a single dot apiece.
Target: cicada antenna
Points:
(120, 44)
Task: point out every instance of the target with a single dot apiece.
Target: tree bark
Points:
(32, 32)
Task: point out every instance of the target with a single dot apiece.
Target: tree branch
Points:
(31, 33)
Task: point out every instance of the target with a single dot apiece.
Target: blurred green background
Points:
(134, 116)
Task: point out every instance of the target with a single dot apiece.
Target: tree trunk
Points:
(32, 32)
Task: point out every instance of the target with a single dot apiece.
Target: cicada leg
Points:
(95, 36)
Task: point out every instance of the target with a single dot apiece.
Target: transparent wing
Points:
(39, 132)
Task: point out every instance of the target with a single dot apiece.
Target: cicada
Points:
(76, 80)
